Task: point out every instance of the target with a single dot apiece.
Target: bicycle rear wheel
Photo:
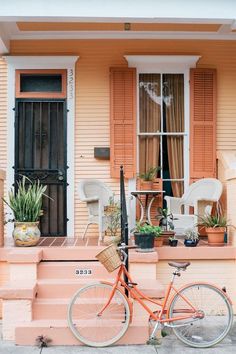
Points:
(212, 304)
(102, 330)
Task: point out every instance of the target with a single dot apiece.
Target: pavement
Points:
(169, 345)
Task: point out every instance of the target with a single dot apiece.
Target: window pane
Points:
(40, 83)
(150, 103)
(173, 102)
(173, 161)
(149, 153)
(173, 188)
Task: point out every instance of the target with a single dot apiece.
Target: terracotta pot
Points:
(146, 185)
(158, 241)
(26, 234)
(215, 235)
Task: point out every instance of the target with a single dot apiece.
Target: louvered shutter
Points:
(123, 121)
(202, 123)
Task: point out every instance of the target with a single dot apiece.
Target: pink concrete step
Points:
(60, 334)
(61, 288)
(65, 288)
(73, 270)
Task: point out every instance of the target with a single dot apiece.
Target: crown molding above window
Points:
(41, 61)
(148, 63)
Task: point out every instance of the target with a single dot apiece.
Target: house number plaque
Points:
(83, 272)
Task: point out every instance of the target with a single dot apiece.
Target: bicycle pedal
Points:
(153, 341)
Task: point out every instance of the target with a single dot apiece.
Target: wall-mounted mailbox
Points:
(102, 153)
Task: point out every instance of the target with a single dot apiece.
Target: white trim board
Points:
(43, 62)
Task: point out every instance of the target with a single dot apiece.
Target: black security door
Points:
(40, 153)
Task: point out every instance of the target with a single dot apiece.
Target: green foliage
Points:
(113, 214)
(150, 174)
(165, 219)
(191, 234)
(26, 203)
(148, 229)
(216, 220)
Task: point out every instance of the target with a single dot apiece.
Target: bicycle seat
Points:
(182, 265)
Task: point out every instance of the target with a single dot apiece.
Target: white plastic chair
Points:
(96, 194)
(200, 195)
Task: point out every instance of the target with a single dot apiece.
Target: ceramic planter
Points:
(145, 242)
(26, 234)
(173, 243)
(158, 241)
(215, 235)
(190, 243)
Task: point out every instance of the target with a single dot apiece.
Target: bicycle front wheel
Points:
(216, 311)
(98, 330)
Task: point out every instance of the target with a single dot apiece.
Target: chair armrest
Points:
(90, 200)
(174, 204)
(203, 206)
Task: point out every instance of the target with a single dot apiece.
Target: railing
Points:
(124, 220)
(2, 178)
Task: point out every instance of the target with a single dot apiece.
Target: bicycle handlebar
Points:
(125, 247)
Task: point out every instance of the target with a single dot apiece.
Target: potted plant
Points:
(148, 177)
(26, 206)
(215, 226)
(113, 222)
(173, 242)
(158, 238)
(144, 235)
(166, 223)
(191, 237)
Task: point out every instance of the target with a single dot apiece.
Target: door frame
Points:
(43, 62)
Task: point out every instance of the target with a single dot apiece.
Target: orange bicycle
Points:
(200, 314)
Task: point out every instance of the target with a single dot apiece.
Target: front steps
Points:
(57, 281)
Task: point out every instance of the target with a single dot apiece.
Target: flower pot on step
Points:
(145, 242)
(158, 242)
(215, 235)
(26, 234)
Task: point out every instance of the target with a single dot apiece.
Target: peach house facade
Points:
(103, 60)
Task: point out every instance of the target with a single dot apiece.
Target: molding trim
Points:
(166, 63)
(26, 35)
(44, 62)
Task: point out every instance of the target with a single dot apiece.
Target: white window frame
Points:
(167, 64)
(43, 62)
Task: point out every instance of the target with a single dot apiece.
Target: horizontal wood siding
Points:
(92, 92)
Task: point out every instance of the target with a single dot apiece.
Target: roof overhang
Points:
(20, 22)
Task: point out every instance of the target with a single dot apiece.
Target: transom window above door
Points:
(40, 83)
(161, 128)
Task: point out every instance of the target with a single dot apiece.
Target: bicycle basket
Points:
(110, 258)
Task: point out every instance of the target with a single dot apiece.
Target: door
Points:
(40, 154)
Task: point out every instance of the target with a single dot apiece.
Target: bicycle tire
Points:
(218, 315)
(94, 330)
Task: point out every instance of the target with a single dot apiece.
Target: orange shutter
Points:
(202, 123)
(123, 121)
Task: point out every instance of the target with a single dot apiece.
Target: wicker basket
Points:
(110, 258)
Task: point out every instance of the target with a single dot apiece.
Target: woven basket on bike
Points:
(110, 258)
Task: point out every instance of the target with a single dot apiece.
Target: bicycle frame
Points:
(140, 297)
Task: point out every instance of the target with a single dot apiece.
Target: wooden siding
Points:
(92, 93)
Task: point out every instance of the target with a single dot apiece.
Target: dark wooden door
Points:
(40, 153)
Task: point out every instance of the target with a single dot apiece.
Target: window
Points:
(40, 83)
(162, 128)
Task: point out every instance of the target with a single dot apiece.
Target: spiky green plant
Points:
(26, 203)
(213, 221)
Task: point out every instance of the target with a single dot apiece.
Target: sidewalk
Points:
(169, 345)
